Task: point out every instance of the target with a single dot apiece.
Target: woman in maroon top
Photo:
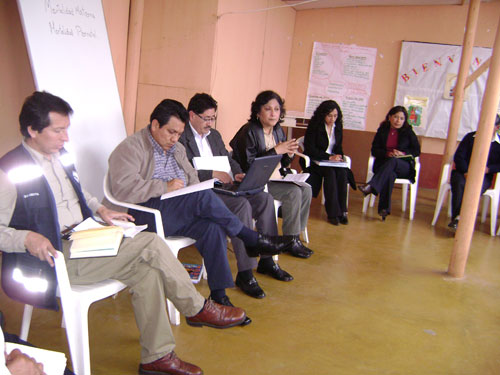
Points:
(394, 138)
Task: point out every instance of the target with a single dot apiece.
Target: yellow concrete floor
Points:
(374, 299)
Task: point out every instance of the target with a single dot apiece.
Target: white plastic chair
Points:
(490, 196)
(444, 189)
(75, 301)
(175, 243)
(307, 162)
(403, 181)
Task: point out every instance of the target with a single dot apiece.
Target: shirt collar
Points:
(38, 156)
(496, 138)
(196, 134)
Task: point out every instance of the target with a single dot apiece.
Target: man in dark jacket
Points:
(459, 174)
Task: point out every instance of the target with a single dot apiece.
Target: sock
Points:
(217, 294)
(266, 263)
(248, 236)
(204, 303)
(245, 275)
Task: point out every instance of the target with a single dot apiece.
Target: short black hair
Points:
(168, 108)
(263, 98)
(497, 120)
(200, 102)
(36, 109)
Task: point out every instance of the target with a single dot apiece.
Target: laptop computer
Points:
(255, 179)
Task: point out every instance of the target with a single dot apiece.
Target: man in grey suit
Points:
(200, 139)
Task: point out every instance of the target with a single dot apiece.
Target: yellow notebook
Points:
(99, 242)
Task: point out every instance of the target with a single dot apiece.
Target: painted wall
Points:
(252, 54)
(383, 28)
(217, 47)
(16, 80)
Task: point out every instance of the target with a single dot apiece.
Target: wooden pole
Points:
(479, 157)
(133, 59)
(475, 75)
(458, 98)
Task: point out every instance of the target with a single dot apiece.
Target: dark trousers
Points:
(457, 182)
(258, 206)
(334, 187)
(383, 180)
(205, 218)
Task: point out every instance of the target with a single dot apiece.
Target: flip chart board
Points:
(70, 57)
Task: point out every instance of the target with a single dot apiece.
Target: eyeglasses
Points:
(207, 119)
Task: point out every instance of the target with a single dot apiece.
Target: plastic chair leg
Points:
(366, 200)
(305, 235)
(372, 200)
(173, 313)
(404, 197)
(484, 209)
(443, 190)
(413, 200)
(493, 215)
(77, 331)
(25, 325)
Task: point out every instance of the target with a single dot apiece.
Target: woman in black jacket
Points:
(323, 141)
(395, 148)
(263, 135)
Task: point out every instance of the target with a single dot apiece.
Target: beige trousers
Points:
(148, 267)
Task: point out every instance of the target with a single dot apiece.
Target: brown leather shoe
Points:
(217, 316)
(169, 364)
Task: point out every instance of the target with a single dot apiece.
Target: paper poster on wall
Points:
(429, 71)
(449, 86)
(343, 73)
(417, 110)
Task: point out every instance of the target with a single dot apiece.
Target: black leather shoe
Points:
(275, 272)
(453, 224)
(297, 249)
(226, 302)
(365, 189)
(383, 213)
(269, 245)
(333, 220)
(250, 287)
(343, 219)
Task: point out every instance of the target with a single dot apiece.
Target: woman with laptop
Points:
(323, 143)
(262, 135)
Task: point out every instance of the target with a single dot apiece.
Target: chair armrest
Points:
(154, 211)
(348, 161)
(306, 158)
